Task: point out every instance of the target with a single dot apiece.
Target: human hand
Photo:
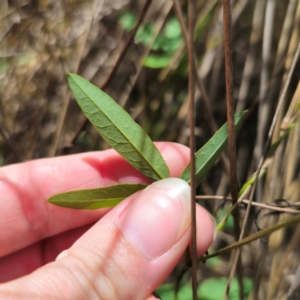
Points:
(124, 255)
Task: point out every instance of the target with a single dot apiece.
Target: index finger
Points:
(26, 217)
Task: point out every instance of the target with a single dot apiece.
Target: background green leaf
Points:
(251, 181)
(209, 289)
(156, 61)
(128, 21)
(96, 198)
(208, 154)
(166, 292)
(214, 288)
(118, 129)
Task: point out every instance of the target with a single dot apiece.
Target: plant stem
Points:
(191, 17)
(231, 139)
(117, 64)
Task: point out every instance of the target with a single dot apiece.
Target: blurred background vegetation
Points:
(42, 40)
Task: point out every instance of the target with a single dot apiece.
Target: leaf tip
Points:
(51, 200)
(71, 76)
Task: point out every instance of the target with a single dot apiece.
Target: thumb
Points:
(126, 255)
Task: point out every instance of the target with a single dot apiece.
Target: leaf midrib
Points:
(213, 154)
(137, 150)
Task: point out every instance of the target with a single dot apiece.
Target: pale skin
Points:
(120, 253)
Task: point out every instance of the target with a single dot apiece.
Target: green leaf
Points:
(214, 288)
(251, 181)
(156, 61)
(96, 198)
(228, 215)
(271, 151)
(172, 29)
(118, 129)
(145, 34)
(128, 21)
(209, 289)
(166, 292)
(221, 215)
(208, 154)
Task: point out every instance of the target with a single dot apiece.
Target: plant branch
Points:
(190, 50)
(127, 45)
(206, 102)
(253, 237)
(117, 64)
(271, 206)
(61, 119)
(268, 142)
(200, 85)
(231, 139)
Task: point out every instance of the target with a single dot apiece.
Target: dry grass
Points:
(40, 41)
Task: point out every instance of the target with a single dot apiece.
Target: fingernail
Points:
(158, 217)
(214, 224)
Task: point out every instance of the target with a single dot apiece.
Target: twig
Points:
(249, 66)
(231, 140)
(60, 122)
(206, 102)
(190, 49)
(268, 142)
(292, 246)
(127, 44)
(257, 204)
(200, 85)
(117, 64)
(229, 101)
(264, 104)
(253, 237)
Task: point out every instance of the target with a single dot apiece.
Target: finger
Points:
(27, 260)
(127, 254)
(26, 217)
(34, 256)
